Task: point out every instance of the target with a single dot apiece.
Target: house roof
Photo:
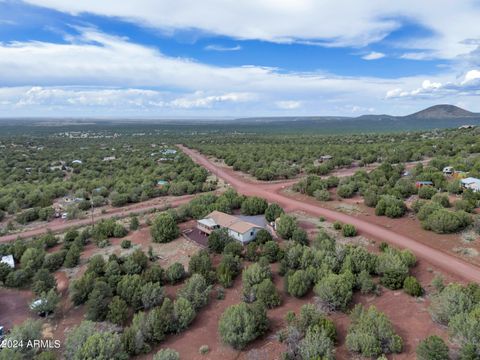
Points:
(207, 222)
(470, 180)
(8, 259)
(230, 222)
(425, 182)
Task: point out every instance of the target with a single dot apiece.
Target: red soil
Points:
(14, 307)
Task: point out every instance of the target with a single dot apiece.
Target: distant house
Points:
(161, 183)
(9, 260)
(465, 127)
(238, 229)
(169, 151)
(79, 162)
(471, 183)
(325, 158)
(109, 158)
(420, 184)
(448, 170)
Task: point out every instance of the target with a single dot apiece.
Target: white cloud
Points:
(97, 59)
(420, 55)
(96, 73)
(288, 104)
(328, 22)
(470, 77)
(469, 85)
(214, 47)
(72, 97)
(373, 56)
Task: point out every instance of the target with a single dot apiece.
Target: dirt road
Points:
(60, 225)
(272, 192)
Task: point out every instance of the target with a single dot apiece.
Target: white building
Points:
(471, 183)
(448, 170)
(8, 259)
(238, 229)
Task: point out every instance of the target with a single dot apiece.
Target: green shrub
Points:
(204, 350)
(164, 228)
(286, 225)
(426, 192)
(196, 290)
(337, 225)
(218, 239)
(432, 348)
(126, 244)
(240, 324)
(166, 354)
(390, 206)
(443, 221)
(322, 195)
(365, 282)
(234, 248)
(371, 333)
(228, 269)
(273, 212)
(349, 230)
(346, 191)
(263, 236)
(254, 206)
(271, 251)
(452, 300)
(335, 291)
(464, 205)
(175, 273)
(441, 199)
(299, 283)
(412, 286)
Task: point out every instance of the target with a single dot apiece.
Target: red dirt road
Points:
(59, 225)
(272, 192)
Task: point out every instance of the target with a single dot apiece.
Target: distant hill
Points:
(443, 111)
(435, 117)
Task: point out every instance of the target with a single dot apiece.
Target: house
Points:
(448, 170)
(420, 184)
(56, 167)
(471, 183)
(238, 229)
(109, 158)
(169, 151)
(161, 183)
(9, 260)
(325, 158)
(79, 162)
(466, 127)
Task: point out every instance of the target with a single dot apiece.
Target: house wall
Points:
(245, 237)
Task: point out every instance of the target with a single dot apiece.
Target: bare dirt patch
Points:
(14, 307)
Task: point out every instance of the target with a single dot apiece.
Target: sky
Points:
(236, 58)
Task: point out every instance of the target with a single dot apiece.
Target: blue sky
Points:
(148, 58)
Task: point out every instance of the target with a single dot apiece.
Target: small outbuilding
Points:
(471, 183)
(9, 260)
(420, 184)
(448, 170)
